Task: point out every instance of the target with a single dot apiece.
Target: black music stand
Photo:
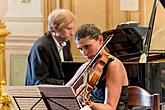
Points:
(53, 98)
(60, 98)
(34, 104)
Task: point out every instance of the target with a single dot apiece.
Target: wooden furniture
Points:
(138, 96)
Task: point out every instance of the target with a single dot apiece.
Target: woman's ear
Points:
(101, 39)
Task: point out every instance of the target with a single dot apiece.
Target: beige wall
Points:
(3, 8)
(106, 14)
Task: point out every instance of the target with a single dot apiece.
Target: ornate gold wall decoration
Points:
(5, 100)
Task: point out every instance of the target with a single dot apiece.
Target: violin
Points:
(96, 73)
(97, 70)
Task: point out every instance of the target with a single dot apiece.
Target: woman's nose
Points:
(85, 52)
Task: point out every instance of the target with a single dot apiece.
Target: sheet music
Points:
(26, 91)
(61, 97)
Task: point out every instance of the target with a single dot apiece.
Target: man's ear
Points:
(55, 26)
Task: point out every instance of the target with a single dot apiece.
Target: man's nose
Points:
(71, 33)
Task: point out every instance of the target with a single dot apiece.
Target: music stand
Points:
(47, 97)
(24, 97)
(33, 105)
(60, 98)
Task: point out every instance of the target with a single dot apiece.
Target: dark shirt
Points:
(98, 93)
(44, 63)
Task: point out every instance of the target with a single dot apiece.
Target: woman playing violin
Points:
(110, 91)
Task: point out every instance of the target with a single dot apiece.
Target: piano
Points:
(127, 45)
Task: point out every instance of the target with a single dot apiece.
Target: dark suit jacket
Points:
(44, 63)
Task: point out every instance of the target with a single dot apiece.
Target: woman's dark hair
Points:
(89, 30)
